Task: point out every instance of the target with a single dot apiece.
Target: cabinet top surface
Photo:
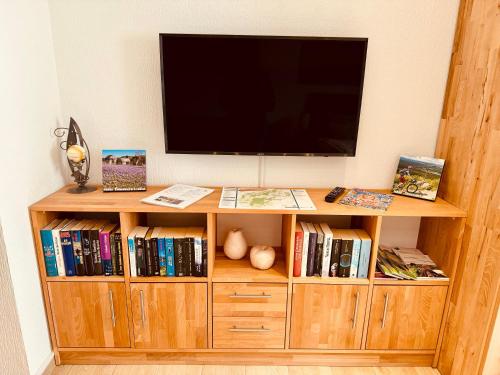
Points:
(98, 201)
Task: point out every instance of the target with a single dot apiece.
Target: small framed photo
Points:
(418, 177)
(123, 170)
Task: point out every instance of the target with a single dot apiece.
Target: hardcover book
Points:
(204, 249)
(318, 255)
(132, 252)
(95, 246)
(336, 249)
(305, 249)
(188, 249)
(56, 240)
(197, 233)
(67, 249)
(48, 248)
(169, 251)
(76, 239)
(179, 256)
(105, 247)
(311, 251)
(345, 253)
(364, 255)
(148, 253)
(123, 170)
(118, 253)
(154, 248)
(297, 250)
(162, 252)
(356, 249)
(140, 251)
(327, 249)
(88, 260)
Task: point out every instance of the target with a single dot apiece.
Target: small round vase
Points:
(262, 257)
(235, 246)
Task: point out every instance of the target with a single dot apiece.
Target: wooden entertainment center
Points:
(238, 314)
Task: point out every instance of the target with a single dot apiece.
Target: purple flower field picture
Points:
(124, 170)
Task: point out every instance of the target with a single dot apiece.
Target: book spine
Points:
(67, 249)
(345, 258)
(87, 253)
(106, 253)
(155, 257)
(311, 254)
(76, 239)
(335, 258)
(318, 258)
(198, 257)
(169, 249)
(189, 259)
(179, 257)
(162, 256)
(148, 256)
(131, 256)
(305, 251)
(140, 256)
(297, 251)
(364, 258)
(56, 241)
(49, 253)
(96, 252)
(112, 246)
(356, 249)
(327, 254)
(204, 255)
(119, 254)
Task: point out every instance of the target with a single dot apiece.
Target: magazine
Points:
(178, 196)
(367, 199)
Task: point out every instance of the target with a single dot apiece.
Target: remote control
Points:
(331, 196)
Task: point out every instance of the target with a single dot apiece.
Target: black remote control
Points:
(331, 196)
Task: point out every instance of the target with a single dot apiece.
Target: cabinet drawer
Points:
(249, 299)
(249, 333)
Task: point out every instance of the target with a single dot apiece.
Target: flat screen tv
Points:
(261, 95)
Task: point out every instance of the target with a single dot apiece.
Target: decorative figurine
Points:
(77, 153)
(235, 246)
(262, 257)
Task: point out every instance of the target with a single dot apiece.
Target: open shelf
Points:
(87, 278)
(330, 280)
(228, 270)
(166, 279)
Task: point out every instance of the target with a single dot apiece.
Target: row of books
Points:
(406, 264)
(323, 251)
(82, 248)
(161, 251)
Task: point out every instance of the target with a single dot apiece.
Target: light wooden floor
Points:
(238, 370)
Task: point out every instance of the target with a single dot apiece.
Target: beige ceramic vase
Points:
(262, 257)
(235, 246)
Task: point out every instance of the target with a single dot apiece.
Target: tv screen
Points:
(229, 94)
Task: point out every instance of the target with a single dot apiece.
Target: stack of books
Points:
(82, 248)
(161, 251)
(323, 251)
(406, 264)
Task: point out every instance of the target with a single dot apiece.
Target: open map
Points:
(266, 199)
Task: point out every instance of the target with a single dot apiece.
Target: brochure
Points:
(266, 199)
(367, 199)
(178, 196)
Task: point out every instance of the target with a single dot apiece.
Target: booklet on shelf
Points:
(178, 196)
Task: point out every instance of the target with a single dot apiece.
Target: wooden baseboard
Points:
(400, 358)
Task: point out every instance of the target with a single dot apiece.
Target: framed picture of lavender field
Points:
(123, 170)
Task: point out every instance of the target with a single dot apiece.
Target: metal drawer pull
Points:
(386, 301)
(112, 307)
(143, 314)
(263, 295)
(355, 315)
(261, 329)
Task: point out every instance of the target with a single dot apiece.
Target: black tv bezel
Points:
(181, 35)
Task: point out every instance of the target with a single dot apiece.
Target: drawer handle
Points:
(263, 295)
(261, 329)
(143, 314)
(112, 307)
(355, 315)
(386, 301)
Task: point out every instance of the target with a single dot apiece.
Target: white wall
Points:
(108, 66)
(29, 108)
(492, 364)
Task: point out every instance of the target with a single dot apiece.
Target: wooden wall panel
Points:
(469, 140)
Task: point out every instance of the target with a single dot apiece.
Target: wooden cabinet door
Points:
(405, 317)
(89, 314)
(170, 315)
(327, 316)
